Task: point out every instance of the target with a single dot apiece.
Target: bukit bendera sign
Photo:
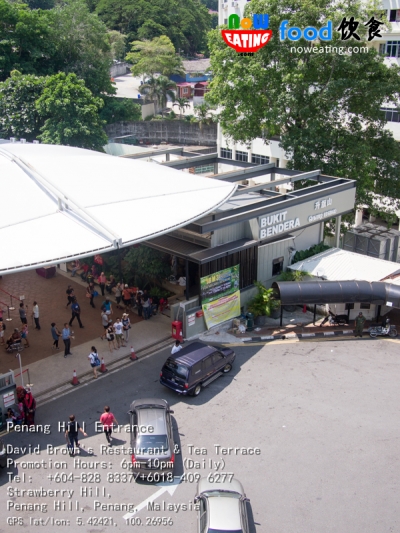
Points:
(296, 217)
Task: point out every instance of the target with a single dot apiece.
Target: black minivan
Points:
(195, 366)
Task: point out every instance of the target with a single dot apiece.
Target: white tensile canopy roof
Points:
(60, 203)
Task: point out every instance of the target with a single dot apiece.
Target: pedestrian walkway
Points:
(48, 368)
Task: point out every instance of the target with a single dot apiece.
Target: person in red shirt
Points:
(108, 419)
(102, 282)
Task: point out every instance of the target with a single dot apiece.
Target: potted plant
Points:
(260, 305)
(275, 308)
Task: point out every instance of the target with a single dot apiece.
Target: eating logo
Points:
(246, 40)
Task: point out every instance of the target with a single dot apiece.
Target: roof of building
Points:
(59, 203)
(336, 264)
(197, 65)
(184, 84)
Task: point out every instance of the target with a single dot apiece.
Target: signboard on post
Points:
(222, 309)
(219, 284)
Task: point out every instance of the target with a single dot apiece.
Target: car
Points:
(152, 440)
(222, 507)
(194, 367)
(3, 454)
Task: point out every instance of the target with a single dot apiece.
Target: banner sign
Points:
(222, 309)
(219, 284)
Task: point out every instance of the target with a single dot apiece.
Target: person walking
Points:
(139, 303)
(359, 324)
(102, 282)
(70, 295)
(108, 420)
(56, 336)
(71, 434)
(76, 267)
(90, 293)
(177, 347)
(76, 313)
(108, 307)
(111, 284)
(110, 337)
(126, 296)
(1, 333)
(94, 360)
(29, 408)
(35, 314)
(146, 305)
(66, 335)
(126, 325)
(118, 294)
(24, 335)
(118, 328)
(104, 323)
(22, 313)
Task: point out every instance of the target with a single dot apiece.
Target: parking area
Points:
(323, 415)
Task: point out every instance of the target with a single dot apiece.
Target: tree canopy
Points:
(18, 114)
(70, 113)
(325, 107)
(185, 22)
(158, 55)
(67, 38)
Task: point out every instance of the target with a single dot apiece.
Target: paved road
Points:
(325, 416)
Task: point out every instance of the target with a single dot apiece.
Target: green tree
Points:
(120, 110)
(70, 113)
(18, 114)
(155, 56)
(118, 44)
(204, 115)
(67, 39)
(165, 90)
(159, 89)
(147, 266)
(82, 45)
(26, 40)
(182, 103)
(185, 22)
(325, 107)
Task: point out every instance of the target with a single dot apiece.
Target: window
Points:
(365, 306)
(225, 152)
(225, 21)
(277, 266)
(204, 169)
(207, 363)
(394, 15)
(259, 159)
(349, 306)
(392, 49)
(391, 115)
(217, 358)
(185, 90)
(242, 156)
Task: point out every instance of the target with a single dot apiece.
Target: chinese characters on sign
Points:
(349, 27)
(321, 204)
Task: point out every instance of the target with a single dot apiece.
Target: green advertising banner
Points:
(220, 284)
(222, 309)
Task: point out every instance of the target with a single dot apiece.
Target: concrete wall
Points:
(119, 69)
(176, 131)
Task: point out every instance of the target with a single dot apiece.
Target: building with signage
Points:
(260, 227)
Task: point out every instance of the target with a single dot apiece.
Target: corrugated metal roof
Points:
(337, 264)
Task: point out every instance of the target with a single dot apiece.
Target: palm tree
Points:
(203, 114)
(165, 88)
(181, 103)
(151, 88)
